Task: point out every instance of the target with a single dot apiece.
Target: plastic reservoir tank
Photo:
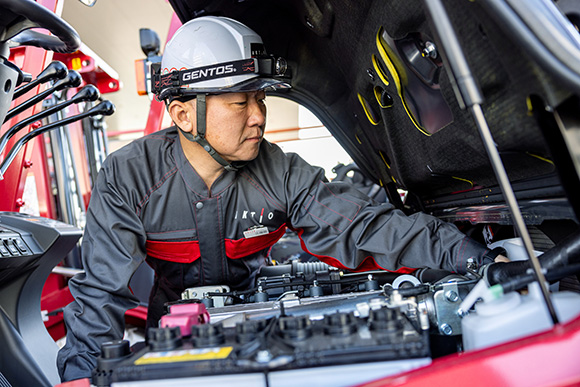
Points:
(514, 316)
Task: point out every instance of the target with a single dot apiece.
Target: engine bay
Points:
(307, 321)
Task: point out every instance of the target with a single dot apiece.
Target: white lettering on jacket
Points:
(248, 214)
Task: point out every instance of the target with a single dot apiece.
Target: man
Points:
(203, 202)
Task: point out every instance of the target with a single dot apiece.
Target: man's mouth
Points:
(254, 138)
(257, 138)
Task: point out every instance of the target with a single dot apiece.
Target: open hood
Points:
(377, 75)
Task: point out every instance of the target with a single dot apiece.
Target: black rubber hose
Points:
(552, 275)
(426, 275)
(565, 253)
(502, 272)
(408, 292)
(293, 269)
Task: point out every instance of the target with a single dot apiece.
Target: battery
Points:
(336, 349)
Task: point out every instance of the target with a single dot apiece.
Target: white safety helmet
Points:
(216, 55)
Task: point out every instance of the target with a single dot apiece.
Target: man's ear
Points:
(183, 115)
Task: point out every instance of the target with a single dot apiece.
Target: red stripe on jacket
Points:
(188, 251)
(367, 264)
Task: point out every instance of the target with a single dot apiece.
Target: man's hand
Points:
(501, 258)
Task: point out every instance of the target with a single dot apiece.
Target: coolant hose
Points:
(564, 253)
(500, 272)
(554, 274)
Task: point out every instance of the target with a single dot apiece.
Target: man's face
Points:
(235, 124)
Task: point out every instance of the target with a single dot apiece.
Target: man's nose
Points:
(257, 114)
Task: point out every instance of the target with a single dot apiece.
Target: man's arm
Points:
(343, 227)
(112, 250)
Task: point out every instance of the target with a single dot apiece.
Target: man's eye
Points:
(241, 103)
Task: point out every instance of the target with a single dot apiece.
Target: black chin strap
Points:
(200, 137)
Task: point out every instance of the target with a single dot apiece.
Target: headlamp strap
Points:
(262, 65)
(200, 74)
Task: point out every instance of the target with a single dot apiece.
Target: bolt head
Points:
(446, 329)
(451, 296)
(430, 50)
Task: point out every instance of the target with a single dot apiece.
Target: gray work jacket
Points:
(149, 204)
